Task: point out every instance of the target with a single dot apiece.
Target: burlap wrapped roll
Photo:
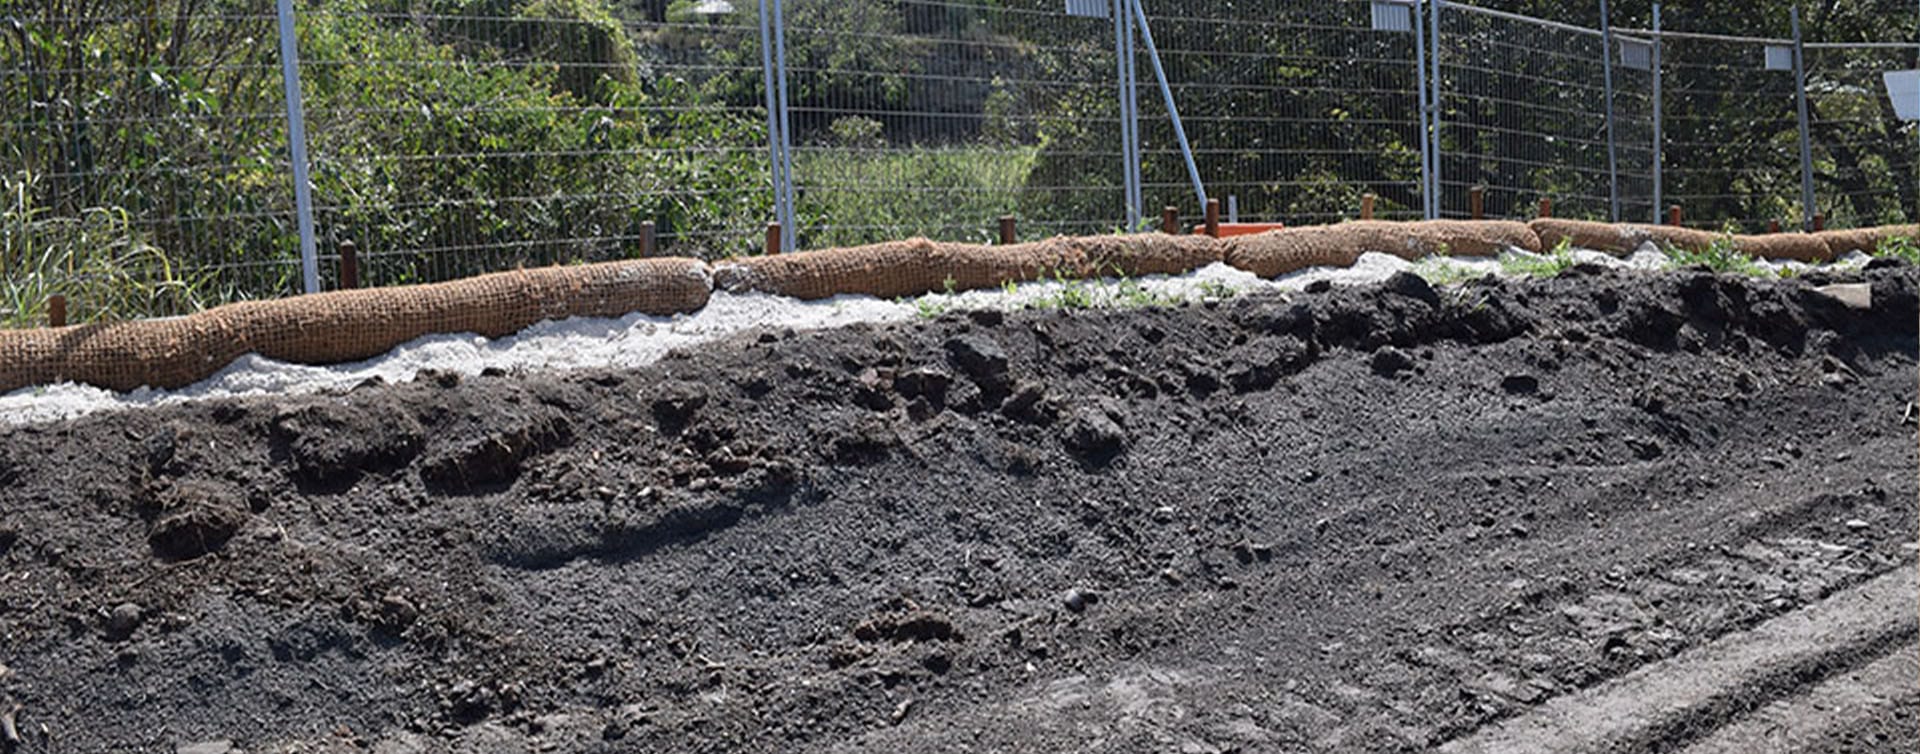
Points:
(340, 326)
(899, 268)
(1618, 238)
(1803, 247)
(1279, 252)
(1139, 254)
(1842, 242)
(165, 353)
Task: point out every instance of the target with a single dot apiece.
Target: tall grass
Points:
(96, 259)
(856, 196)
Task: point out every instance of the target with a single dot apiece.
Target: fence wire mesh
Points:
(934, 118)
(147, 170)
(142, 157)
(1732, 133)
(1293, 111)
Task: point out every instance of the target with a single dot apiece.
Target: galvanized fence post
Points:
(792, 236)
(1166, 91)
(1606, 74)
(297, 149)
(1433, 177)
(1659, 158)
(1806, 143)
(1129, 136)
(1427, 209)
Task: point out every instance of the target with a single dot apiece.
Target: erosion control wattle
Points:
(351, 325)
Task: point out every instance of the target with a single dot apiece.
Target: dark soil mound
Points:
(1366, 519)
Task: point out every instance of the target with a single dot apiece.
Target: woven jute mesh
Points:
(1139, 254)
(1618, 238)
(899, 268)
(343, 325)
(1279, 252)
(1804, 247)
(1624, 238)
(1842, 242)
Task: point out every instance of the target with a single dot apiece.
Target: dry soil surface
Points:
(1612, 511)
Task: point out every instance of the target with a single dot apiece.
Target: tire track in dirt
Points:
(1680, 699)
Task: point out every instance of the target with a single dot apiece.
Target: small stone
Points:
(1078, 599)
(1319, 286)
(1854, 524)
(1518, 531)
(124, 620)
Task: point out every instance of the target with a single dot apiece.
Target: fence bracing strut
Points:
(1806, 146)
(297, 149)
(1166, 91)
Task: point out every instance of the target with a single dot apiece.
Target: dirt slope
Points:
(1374, 519)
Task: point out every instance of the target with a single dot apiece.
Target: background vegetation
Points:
(144, 162)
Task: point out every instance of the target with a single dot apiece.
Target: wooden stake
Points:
(1366, 206)
(773, 239)
(1477, 202)
(1773, 226)
(647, 238)
(1819, 221)
(1007, 234)
(1546, 206)
(1213, 217)
(1674, 215)
(349, 266)
(56, 310)
(1170, 220)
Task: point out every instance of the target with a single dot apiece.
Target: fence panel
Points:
(1732, 149)
(143, 158)
(450, 145)
(1863, 156)
(1293, 109)
(934, 117)
(1523, 113)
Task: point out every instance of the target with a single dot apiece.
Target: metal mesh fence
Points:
(147, 169)
(1732, 151)
(1523, 114)
(142, 156)
(933, 118)
(449, 145)
(1293, 111)
(1863, 156)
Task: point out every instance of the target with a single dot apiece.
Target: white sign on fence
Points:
(1779, 58)
(1088, 8)
(1392, 15)
(1903, 87)
(1636, 53)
